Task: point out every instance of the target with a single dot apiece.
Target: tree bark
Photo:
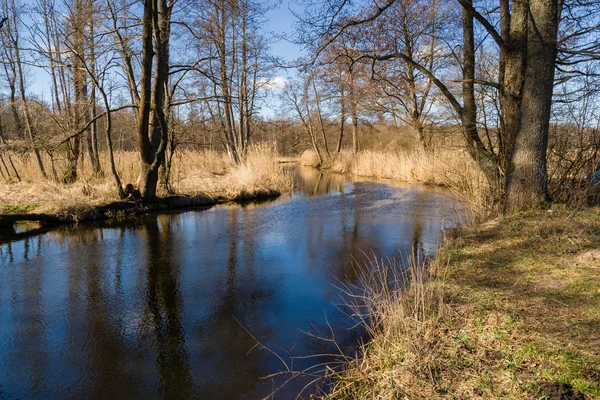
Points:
(147, 184)
(484, 157)
(511, 75)
(156, 23)
(527, 183)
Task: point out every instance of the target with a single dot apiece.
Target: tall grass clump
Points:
(400, 306)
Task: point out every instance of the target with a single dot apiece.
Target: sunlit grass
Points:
(193, 172)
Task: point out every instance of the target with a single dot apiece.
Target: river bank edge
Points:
(511, 309)
(129, 208)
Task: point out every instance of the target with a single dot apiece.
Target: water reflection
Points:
(158, 307)
(313, 182)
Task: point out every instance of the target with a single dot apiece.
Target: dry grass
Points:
(214, 174)
(193, 172)
(451, 168)
(400, 307)
(518, 307)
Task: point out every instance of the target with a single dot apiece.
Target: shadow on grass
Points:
(524, 268)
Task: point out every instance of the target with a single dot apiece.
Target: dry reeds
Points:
(451, 168)
(512, 317)
(400, 306)
(215, 175)
(193, 172)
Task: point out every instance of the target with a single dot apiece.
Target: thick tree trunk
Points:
(81, 104)
(146, 185)
(156, 20)
(527, 184)
(148, 182)
(512, 69)
(70, 174)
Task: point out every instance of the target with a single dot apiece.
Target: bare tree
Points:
(229, 40)
(12, 51)
(414, 26)
(152, 124)
(301, 107)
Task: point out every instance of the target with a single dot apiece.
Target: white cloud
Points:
(276, 83)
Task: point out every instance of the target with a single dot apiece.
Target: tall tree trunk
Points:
(94, 154)
(527, 184)
(225, 85)
(157, 14)
(353, 113)
(342, 115)
(484, 157)
(13, 33)
(109, 147)
(511, 75)
(81, 105)
(148, 177)
(318, 104)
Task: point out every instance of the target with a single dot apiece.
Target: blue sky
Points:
(281, 21)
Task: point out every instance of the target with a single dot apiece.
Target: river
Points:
(171, 305)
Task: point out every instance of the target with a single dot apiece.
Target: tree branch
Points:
(483, 21)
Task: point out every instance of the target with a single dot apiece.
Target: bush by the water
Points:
(309, 158)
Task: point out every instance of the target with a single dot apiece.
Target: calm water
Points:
(158, 307)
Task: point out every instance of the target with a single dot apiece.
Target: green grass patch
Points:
(17, 208)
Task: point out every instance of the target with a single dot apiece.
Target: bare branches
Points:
(328, 37)
(88, 124)
(484, 22)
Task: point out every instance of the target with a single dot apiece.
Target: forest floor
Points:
(512, 310)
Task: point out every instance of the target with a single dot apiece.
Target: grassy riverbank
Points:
(206, 174)
(512, 311)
